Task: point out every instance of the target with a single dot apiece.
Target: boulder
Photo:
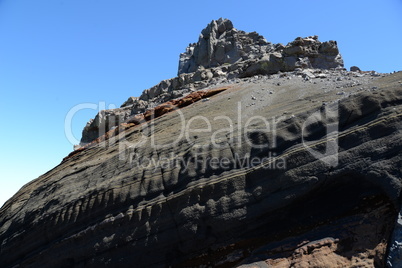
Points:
(354, 69)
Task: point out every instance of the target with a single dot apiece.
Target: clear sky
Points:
(57, 54)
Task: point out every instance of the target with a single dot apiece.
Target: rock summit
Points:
(222, 54)
(220, 43)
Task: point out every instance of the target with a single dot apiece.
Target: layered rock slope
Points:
(294, 169)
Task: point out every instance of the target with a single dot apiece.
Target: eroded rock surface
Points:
(220, 43)
(151, 197)
(295, 163)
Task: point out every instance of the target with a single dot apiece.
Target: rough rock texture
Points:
(149, 115)
(221, 55)
(395, 248)
(146, 198)
(103, 122)
(221, 44)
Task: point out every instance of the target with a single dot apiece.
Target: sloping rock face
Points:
(256, 176)
(149, 115)
(221, 55)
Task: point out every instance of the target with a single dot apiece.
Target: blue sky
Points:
(56, 54)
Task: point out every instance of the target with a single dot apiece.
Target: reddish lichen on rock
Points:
(151, 114)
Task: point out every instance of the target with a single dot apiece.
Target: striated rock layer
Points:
(238, 193)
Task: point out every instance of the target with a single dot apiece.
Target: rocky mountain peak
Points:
(217, 27)
(220, 43)
(222, 54)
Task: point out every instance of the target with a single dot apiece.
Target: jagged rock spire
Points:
(220, 43)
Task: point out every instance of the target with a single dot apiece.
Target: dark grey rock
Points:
(354, 69)
(127, 201)
(108, 206)
(394, 258)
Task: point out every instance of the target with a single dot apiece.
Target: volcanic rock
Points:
(274, 171)
(221, 54)
(220, 43)
(354, 69)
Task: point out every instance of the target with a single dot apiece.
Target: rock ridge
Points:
(220, 43)
(221, 55)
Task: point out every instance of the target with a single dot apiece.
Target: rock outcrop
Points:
(295, 169)
(148, 115)
(220, 43)
(222, 54)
